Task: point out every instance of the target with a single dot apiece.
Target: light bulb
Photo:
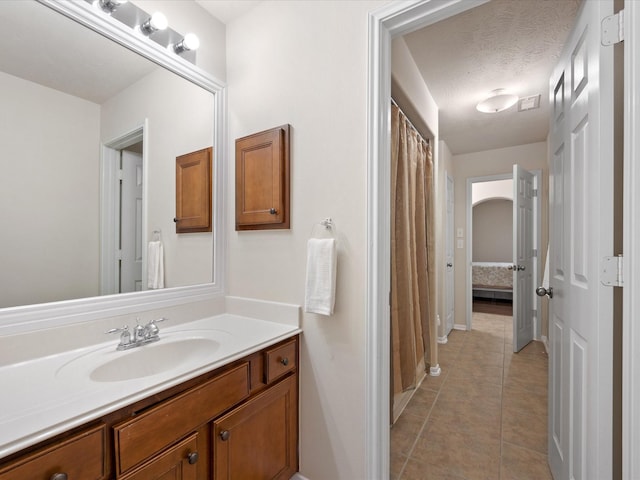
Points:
(156, 22)
(189, 42)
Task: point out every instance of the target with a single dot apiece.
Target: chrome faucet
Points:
(142, 335)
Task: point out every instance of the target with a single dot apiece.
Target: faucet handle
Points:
(125, 336)
(123, 329)
(151, 327)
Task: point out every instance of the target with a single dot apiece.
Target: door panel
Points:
(131, 223)
(523, 188)
(581, 210)
(449, 267)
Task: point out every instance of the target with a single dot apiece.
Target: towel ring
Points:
(327, 224)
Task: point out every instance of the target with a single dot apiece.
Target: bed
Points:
(492, 280)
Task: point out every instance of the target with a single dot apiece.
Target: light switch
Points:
(459, 233)
(460, 243)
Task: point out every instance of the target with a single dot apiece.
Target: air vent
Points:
(529, 103)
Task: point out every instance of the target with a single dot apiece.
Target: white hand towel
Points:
(320, 288)
(155, 265)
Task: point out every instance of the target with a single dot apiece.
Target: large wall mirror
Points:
(93, 118)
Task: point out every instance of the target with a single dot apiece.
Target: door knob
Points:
(224, 435)
(541, 292)
(512, 267)
(449, 265)
(520, 268)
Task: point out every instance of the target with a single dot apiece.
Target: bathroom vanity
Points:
(238, 419)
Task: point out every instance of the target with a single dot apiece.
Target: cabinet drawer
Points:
(176, 463)
(81, 456)
(280, 360)
(152, 431)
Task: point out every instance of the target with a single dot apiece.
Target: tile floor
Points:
(484, 417)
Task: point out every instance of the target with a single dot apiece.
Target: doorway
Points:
(123, 213)
(385, 23)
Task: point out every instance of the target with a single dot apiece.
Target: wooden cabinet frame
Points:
(262, 180)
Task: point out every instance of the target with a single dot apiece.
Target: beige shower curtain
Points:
(413, 333)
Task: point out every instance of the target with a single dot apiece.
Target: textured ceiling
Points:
(227, 10)
(510, 44)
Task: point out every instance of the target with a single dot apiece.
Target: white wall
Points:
(493, 231)
(493, 189)
(180, 120)
(48, 194)
(305, 63)
(410, 91)
(532, 156)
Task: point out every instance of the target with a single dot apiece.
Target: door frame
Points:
(631, 245)
(110, 205)
(537, 242)
(450, 224)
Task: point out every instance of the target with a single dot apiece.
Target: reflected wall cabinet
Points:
(193, 191)
(262, 180)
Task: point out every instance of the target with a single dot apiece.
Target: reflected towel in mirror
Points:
(155, 265)
(320, 288)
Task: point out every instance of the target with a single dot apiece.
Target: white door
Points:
(581, 212)
(448, 254)
(523, 257)
(131, 223)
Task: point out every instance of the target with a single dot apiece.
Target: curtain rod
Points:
(426, 140)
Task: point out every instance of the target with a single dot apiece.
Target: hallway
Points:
(484, 418)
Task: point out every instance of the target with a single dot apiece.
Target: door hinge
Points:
(120, 174)
(534, 253)
(535, 192)
(612, 29)
(611, 271)
(118, 255)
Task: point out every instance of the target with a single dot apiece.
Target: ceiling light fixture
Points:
(189, 42)
(110, 6)
(497, 101)
(155, 22)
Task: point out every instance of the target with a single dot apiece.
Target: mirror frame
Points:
(25, 318)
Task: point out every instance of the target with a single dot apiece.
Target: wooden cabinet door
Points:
(193, 192)
(79, 457)
(259, 439)
(176, 463)
(262, 180)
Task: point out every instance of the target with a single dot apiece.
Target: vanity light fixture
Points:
(188, 43)
(110, 6)
(155, 22)
(497, 101)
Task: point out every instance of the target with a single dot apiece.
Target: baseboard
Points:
(457, 326)
(297, 476)
(545, 342)
(443, 340)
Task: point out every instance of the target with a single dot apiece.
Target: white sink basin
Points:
(174, 351)
(153, 359)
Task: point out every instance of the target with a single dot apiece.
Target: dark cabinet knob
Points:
(273, 211)
(284, 361)
(192, 458)
(175, 219)
(224, 435)
(59, 476)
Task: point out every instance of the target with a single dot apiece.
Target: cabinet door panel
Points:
(81, 456)
(258, 440)
(173, 464)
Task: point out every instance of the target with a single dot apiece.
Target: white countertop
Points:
(49, 395)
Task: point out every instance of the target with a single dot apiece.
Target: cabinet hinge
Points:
(612, 29)
(611, 271)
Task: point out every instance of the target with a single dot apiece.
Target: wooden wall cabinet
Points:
(262, 180)
(238, 422)
(193, 191)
